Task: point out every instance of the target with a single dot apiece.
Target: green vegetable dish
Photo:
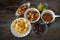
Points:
(42, 6)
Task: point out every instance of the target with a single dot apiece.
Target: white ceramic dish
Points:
(28, 3)
(34, 10)
(52, 13)
(18, 34)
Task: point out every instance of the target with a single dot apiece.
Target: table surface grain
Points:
(7, 15)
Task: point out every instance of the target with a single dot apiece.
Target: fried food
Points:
(22, 9)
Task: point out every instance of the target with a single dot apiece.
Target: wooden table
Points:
(7, 15)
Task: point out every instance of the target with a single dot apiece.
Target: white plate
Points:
(20, 6)
(18, 34)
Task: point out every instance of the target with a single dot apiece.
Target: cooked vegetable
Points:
(41, 6)
(32, 15)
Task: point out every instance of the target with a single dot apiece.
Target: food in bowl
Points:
(47, 17)
(22, 9)
(40, 28)
(32, 14)
(21, 26)
(42, 6)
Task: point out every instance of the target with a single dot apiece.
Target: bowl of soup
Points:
(47, 16)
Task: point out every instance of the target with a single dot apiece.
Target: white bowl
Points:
(17, 14)
(18, 34)
(48, 11)
(34, 10)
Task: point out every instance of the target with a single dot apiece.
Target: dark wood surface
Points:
(7, 15)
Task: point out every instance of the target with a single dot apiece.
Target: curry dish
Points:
(32, 15)
(47, 17)
(21, 26)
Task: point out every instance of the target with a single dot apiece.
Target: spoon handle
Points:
(57, 15)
